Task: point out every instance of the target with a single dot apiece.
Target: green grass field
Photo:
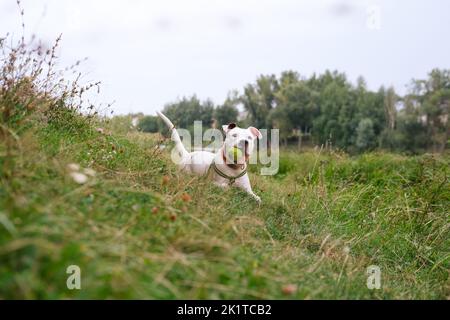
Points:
(139, 229)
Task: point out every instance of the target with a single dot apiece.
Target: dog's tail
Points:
(175, 136)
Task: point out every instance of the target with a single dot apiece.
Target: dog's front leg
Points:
(244, 183)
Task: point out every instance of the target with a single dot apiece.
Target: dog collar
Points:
(224, 175)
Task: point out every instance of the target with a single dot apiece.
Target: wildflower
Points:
(78, 177)
(165, 180)
(289, 289)
(73, 167)
(185, 197)
(155, 210)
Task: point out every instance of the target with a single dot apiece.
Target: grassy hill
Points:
(115, 205)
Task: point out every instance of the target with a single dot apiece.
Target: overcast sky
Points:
(148, 53)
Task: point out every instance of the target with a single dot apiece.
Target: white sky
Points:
(148, 53)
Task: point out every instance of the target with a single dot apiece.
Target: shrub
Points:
(148, 124)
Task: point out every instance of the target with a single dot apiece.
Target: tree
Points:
(335, 122)
(300, 103)
(296, 106)
(365, 135)
(184, 112)
(259, 99)
(148, 124)
(279, 119)
(430, 98)
(409, 134)
(335, 111)
(227, 112)
(390, 101)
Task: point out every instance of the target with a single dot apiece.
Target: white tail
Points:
(175, 136)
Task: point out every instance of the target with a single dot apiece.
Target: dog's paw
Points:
(258, 199)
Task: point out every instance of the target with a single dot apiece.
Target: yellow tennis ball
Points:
(235, 153)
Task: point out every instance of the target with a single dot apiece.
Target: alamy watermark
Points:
(74, 280)
(373, 18)
(373, 277)
(265, 150)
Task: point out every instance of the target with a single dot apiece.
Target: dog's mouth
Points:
(243, 147)
(237, 154)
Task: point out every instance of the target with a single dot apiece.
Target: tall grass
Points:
(138, 229)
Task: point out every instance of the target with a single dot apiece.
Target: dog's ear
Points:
(255, 132)
(228, 127)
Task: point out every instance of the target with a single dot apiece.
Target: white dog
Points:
(225, 171)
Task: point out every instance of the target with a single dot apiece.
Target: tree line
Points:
(327, 109)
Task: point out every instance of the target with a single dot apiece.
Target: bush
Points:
(148, 124)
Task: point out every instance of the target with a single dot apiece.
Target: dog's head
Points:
(244, 139)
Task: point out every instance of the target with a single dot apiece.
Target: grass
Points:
(140, 229)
